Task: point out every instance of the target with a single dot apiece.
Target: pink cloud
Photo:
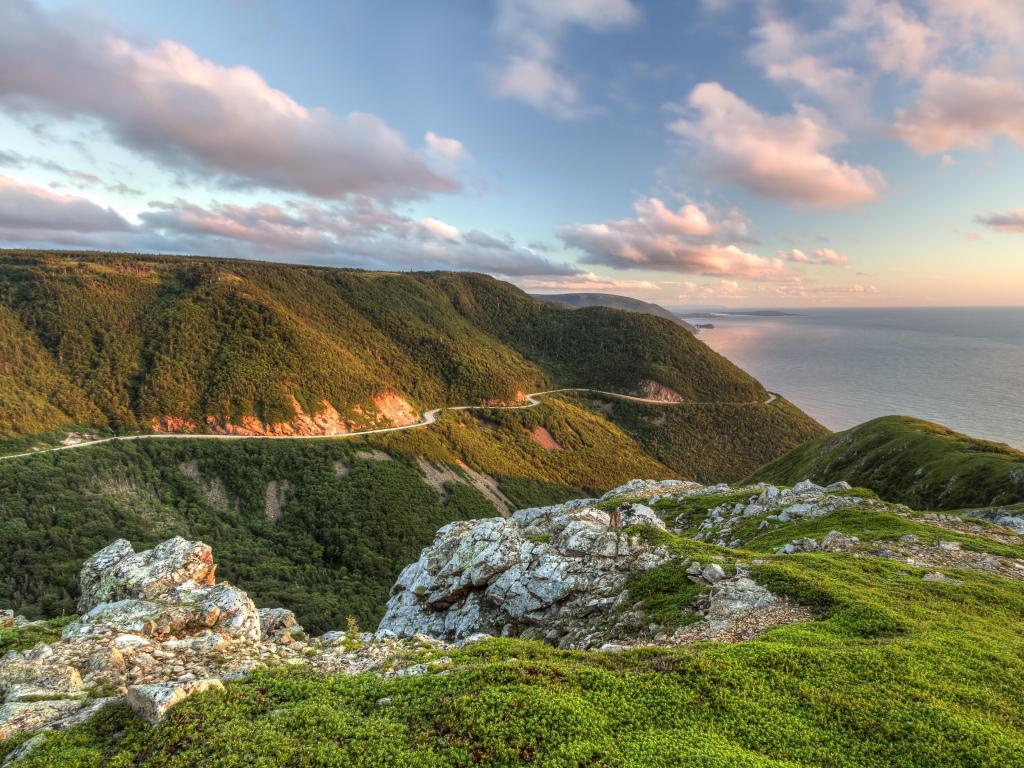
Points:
(191, 113)
(955, 109)
(1012, 221)
(782, 157)
(685, 241)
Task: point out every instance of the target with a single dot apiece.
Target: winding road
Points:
(429, 417)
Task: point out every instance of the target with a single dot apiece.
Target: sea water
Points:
(962, 367)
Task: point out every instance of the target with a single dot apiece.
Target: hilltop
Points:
(909, 460)
(613, 301)
(749, 625)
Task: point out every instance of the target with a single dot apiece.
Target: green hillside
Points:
(918, 463)
(121, 340)
(350, 513)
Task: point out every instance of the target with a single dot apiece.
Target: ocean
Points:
(962, 367)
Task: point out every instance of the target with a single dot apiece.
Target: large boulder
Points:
(118, 572)
(165, 591)
(550, 571)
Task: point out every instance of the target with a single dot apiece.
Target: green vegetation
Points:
(121, 340)
(714, 442)
(921, 464)
(349, 519)
(897, 672)
(24, 638)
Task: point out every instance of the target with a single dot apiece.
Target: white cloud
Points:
(192, 114)
(821, 256)
(448, 149)
(782, 157)
(685, 241)
(531, 30)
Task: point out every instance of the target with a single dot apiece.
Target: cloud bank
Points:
(191, 114)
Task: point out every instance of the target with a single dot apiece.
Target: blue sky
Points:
(845, 152)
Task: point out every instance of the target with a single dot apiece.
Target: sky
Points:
(724, 153)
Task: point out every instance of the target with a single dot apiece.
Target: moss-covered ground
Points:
(894, 672)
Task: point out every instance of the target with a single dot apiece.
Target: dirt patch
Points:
(745, 626)
(660, 420)
(276, 494)
(947, 554)
(395, 409)
(438, 475)
(327, 421)
(544, 439)
(488, 486)
(652, 390)
(172, 424)
(606, 406)
(212, 488)
(374, 455)
(341, 468)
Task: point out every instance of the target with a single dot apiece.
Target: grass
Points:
(896, 672)
(24, 638)
(921, 464)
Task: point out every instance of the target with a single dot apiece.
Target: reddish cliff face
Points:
(655, 391)
(390, 409)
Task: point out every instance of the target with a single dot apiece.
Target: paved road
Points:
(429, 417)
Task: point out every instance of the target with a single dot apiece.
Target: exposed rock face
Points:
(542, 572)
(117, 572)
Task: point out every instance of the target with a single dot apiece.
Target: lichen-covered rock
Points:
(117, 572)
(151, 702)
(542, 570)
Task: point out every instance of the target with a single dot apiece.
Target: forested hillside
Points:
(320, 525)
(136, 342)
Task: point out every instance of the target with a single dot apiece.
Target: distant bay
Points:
(962, 367)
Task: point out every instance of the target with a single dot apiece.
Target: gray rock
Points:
(117, 572)
(713, 574)
(151, 702)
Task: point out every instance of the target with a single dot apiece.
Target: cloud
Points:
(955, 109)
(685, 241)
(1012, 221)
(448, 149)
(586, 283)
(782, 52)
(192, 114)
(782, 157)
(27, 212)
(822, 256)
(531, 30)
(356, 233)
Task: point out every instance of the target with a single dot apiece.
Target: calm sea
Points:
(961, 367)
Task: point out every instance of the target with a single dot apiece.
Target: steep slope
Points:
(596, 346)
(612, 301)
(320, 526)
(190, 344)
(909, 460)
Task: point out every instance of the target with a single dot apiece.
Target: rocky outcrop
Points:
(549, 571)
(561, 573)
(156, 629)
